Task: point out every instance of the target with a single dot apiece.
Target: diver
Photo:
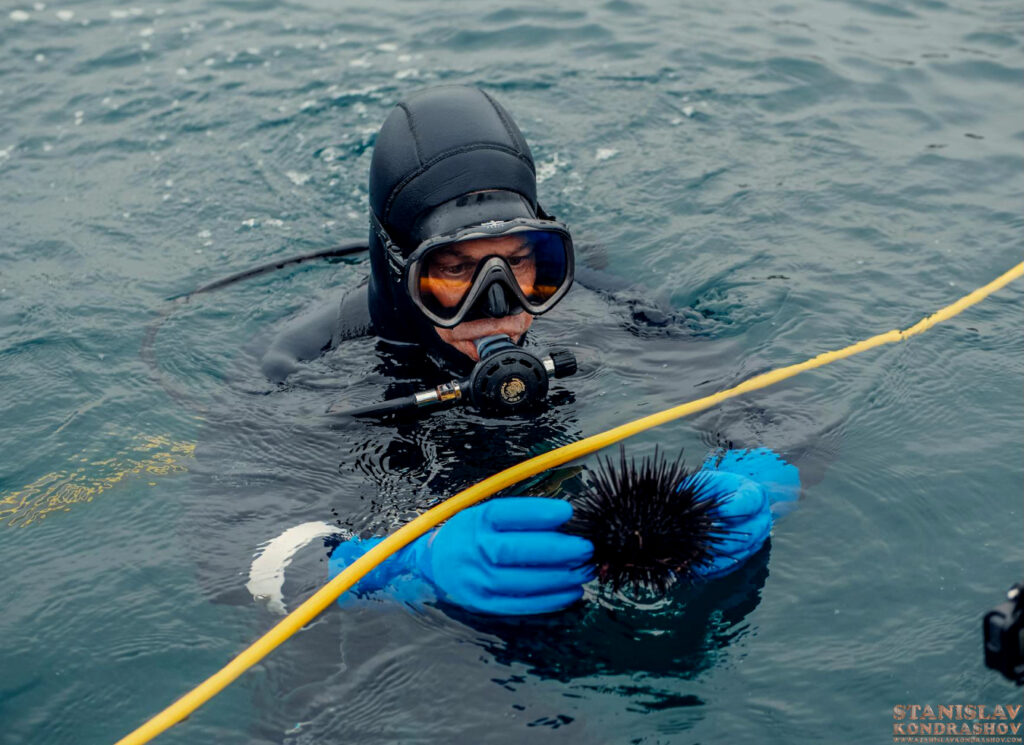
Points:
(460, 247)
(452, 183)
(462, 252)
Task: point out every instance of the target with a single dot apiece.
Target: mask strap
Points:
(396, 262)
(544, 214)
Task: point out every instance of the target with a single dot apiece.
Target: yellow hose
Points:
(409, 532)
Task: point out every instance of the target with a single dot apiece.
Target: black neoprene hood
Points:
(441, 144)
(437, 150)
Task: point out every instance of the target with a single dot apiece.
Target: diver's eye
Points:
(519, 259)
(453, 270)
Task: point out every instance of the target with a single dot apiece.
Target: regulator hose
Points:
(391, 406)
(412, 530)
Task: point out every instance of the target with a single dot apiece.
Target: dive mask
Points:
(527, 261)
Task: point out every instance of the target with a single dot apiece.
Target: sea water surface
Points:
(779, 179)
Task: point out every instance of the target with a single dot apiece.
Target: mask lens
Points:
(550, 266)
(538, 260)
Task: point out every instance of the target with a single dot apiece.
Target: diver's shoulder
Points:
(599, 280)
(316, 329)
(354, 319)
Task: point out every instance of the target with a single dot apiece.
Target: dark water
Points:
(787, 178)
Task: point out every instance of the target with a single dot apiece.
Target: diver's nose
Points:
(497, 302)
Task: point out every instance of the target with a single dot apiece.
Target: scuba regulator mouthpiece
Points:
(506, 380)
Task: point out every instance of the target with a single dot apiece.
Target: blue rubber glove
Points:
(779, 479)
(756, 483)
(504, 557)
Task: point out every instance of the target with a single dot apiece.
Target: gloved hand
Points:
(504, 557)
(755, 483)
(779, 479)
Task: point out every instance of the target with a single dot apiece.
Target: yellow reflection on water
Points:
(86, 479)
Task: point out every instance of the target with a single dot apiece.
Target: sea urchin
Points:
(652, 524)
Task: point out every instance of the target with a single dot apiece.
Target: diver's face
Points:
(451, 271)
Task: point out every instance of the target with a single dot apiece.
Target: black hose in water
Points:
(391, 406)
(345, 249)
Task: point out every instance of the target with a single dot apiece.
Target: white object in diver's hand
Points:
(266, 575)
